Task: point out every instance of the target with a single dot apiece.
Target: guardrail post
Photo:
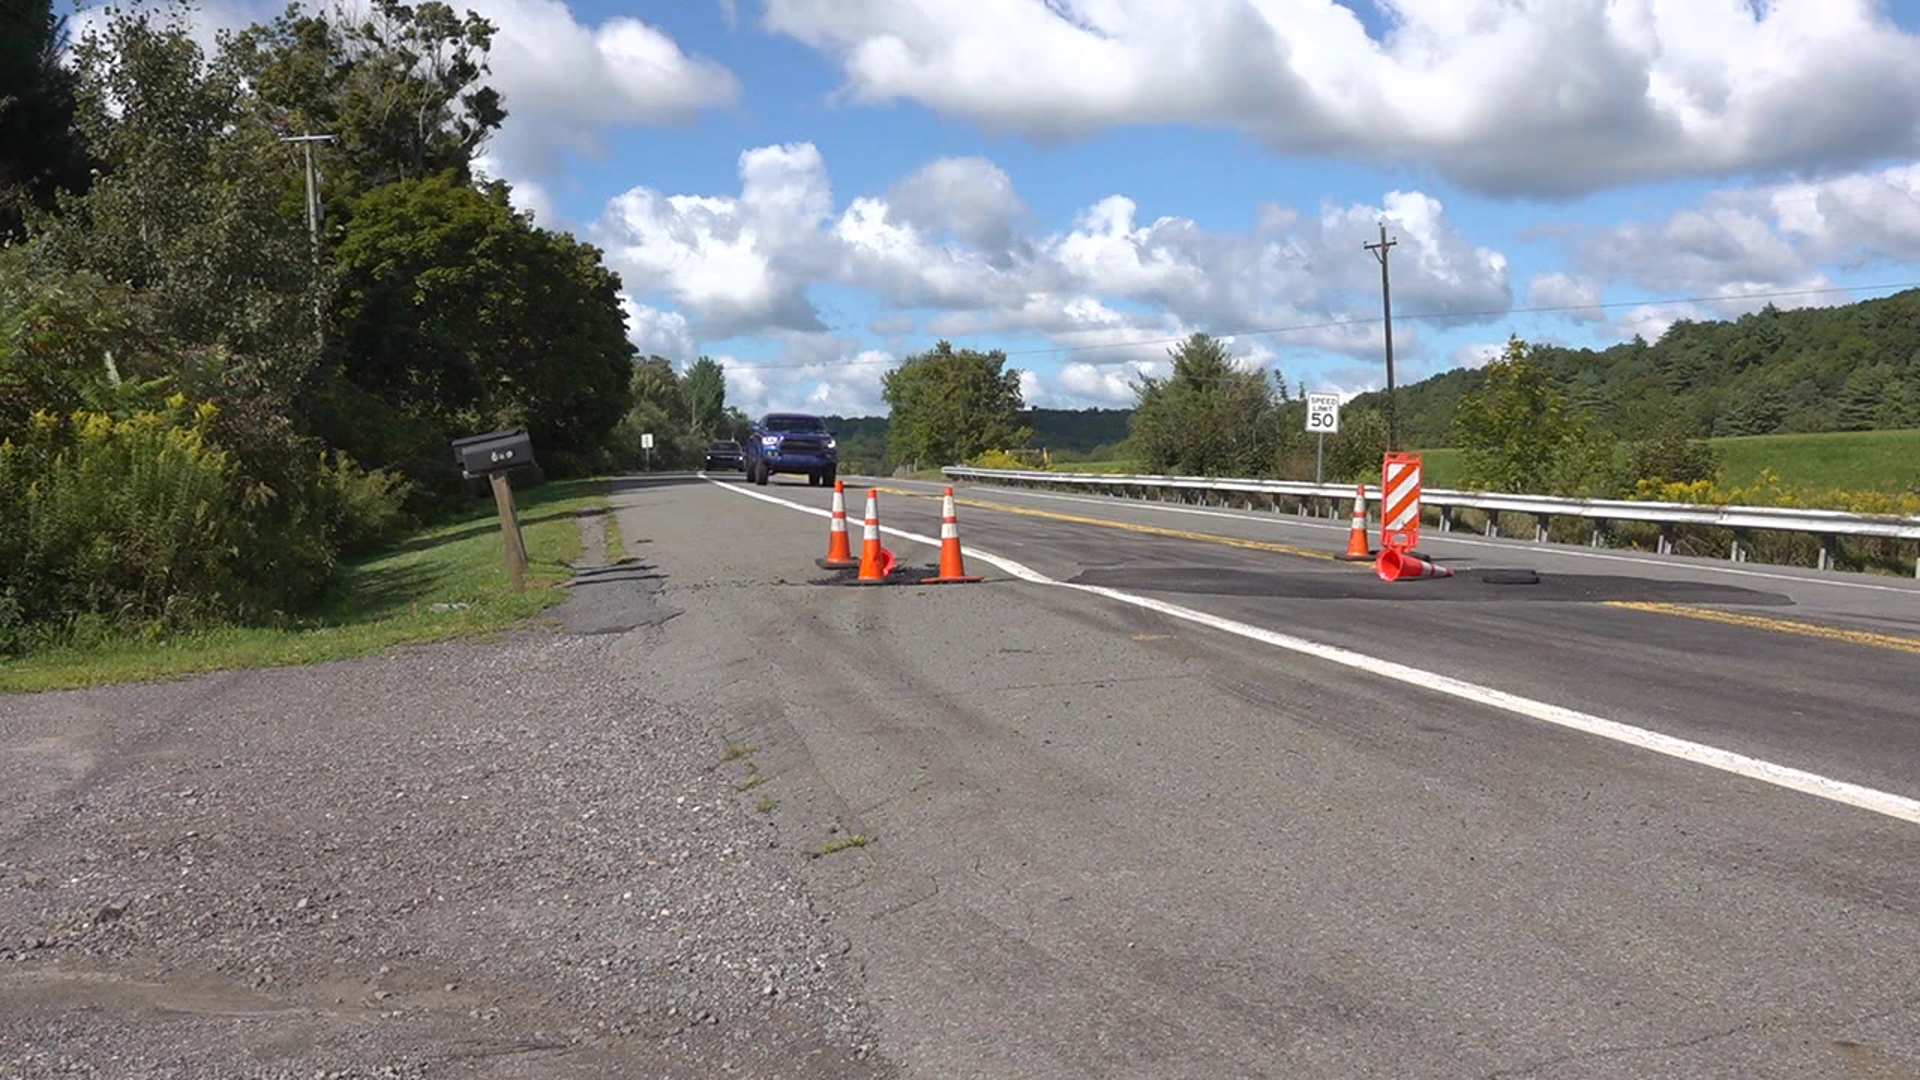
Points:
(1542, 527)
(1665, 545)
(1600, 533)
(1738, 554)
(1493, 523)
(1826, 552)
(1446, 519)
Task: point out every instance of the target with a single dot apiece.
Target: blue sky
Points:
(811, 189)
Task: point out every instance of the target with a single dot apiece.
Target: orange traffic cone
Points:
(953, 569)
(1357, 550)
(839, 554)
(1398, 565)
(876, 562)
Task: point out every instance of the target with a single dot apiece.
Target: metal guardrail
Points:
(1827, 524)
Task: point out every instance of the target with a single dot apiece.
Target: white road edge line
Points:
(1432, 537)
(1840, 791)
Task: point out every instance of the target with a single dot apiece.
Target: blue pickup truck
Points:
(795, 444)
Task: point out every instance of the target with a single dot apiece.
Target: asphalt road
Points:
(1173, 830)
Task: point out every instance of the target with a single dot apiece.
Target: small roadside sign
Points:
(1323, 419)
(1323, 414)
(646, 441)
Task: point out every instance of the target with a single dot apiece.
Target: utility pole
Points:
(1386, 306)
(313, 225)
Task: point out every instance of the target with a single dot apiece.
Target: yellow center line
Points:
(1128, 526)
(1778, 626)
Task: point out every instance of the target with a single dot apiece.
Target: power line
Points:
(1492, 313)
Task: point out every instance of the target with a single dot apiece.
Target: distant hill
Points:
(1076, 432)
(1851, 368)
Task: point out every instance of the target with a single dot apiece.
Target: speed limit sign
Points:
(1323, 414)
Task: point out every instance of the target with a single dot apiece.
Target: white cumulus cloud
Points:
(1545, 97)
(1555, 289)
(568, 83)
(742, 264)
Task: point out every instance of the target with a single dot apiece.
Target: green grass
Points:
(1441, 468)
(853, 840)
(377, 602)
(1841, 460)
(616, 543)
(1098, 466)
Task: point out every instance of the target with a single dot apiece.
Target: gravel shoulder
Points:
(497, 859)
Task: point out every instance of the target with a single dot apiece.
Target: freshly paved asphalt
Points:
(1107, 842)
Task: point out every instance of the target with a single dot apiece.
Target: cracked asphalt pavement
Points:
(735, 819)
(1111, 843)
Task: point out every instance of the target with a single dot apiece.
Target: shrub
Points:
(1788, 548)
(135, 521)
(1671, 457)
(366, 508)
(148, 521)
(1001, 459)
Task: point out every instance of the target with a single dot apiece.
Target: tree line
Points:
(208, 399)
(1849, 368)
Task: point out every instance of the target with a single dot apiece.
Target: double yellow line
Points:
(1751, 622)
(1125, 526)
(1778, 626)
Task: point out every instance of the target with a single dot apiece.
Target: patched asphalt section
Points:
(1477, 585)
(615, 598)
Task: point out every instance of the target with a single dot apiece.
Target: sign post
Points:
(1323, 419)
(646, 443)
(493, 455)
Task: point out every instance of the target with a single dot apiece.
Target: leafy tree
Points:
(456, 313)
(1210, 416)
(951, 405)
(1862, 394)
(400, 88)
(179, 212)
(1519, 434)
(656, 383)
(1355, 453)
(40, 150)
(706, 391)
(76, 341)
(658, 397)
(1671, 457)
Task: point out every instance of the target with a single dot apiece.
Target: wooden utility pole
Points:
(1386, 306)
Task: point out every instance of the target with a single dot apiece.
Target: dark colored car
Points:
(725, 454)
(792, 443)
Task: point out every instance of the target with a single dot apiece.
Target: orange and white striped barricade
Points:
(1400, 501)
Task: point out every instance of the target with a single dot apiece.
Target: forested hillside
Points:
(1852, 368)
(1075, 433)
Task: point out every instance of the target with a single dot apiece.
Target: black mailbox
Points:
(496, 451)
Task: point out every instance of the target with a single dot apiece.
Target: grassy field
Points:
(1847, 460)
(1843, 460)
(384, 600)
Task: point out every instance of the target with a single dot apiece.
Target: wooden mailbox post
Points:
(492, 455)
